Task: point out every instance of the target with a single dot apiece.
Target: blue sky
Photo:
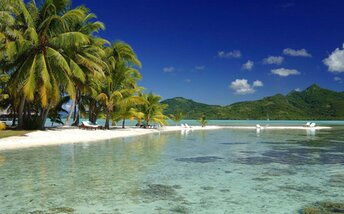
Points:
(220, 52)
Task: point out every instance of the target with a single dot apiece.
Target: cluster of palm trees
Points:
(50, 54)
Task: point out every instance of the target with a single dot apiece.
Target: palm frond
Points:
(77, 72)
(56, 59)
(69, 40)
(30, 84)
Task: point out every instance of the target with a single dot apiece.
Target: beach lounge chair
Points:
(187, 126)
(307, 124)
(312, 125)
(89, 125)
(182, 125)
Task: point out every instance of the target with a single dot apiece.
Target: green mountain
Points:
(311, 104)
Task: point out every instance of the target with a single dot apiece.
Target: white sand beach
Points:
(76, 135)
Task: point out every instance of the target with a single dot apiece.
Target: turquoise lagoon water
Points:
(217, 171)
(235, 122)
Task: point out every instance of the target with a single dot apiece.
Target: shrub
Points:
(2, 126)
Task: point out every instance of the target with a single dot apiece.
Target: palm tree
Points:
(40, 67)
(119, 95)
(153, 110)
(86, 62)
(120, 85)
(203, 121)
(177, 117)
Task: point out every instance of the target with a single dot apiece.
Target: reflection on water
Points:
(231, 171)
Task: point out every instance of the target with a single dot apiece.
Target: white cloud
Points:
(338, 79)
(199, 67)
(257, 83)
(248, 65)
(187, 80)
(292, 52)
(169, 69)
(230, 54)
(273, 60)
(242, 87)
(335, 61)
(297, 89)
(283, 72)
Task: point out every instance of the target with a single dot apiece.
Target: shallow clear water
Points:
(218, 171)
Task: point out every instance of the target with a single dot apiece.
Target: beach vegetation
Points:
(153, 110)
(176, 117)
(11, 133)
(50, 51)
(2, 126)
(203, 121)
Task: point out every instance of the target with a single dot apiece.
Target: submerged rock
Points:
(324, 207)
(295, 157)
(159, 192)
(56, 210)
(207, 188)
(180, 209)
(201, 159)
(234, 143)
(337, 180)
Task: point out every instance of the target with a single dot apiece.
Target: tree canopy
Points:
(51, 52)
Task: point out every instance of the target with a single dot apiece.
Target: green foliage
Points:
(311, 104)
(32, 123)
(176, 117)
(153, 109)
(203, 121)
(2, 126)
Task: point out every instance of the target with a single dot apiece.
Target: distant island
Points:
(314, 103)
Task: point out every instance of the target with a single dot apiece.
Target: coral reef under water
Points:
(202, 159)
(324, 207)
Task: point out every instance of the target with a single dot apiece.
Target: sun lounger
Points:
(182, 125)
(89, 125)
(187, 126)
(312, 125)
(307, 124)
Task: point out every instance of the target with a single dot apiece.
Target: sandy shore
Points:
(75, 135)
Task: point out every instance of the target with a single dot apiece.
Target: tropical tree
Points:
(86, 61)
(153, 109)
(203, 121)
(177, 117)
(50, 50)
(36, 57)
(120, 85)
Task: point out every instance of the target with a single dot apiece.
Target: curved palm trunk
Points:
(44, 116)
(20, 113)
(70, 113)
(123, 124)
(107, 120)
(77, 112)
(14, 117)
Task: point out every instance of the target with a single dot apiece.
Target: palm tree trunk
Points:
(45, 113)
(14, 117)
(77, 120)
(70, 113)
(77, 112)
(123, 124)
(74, 116)
(20, 112)
(107, 121)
